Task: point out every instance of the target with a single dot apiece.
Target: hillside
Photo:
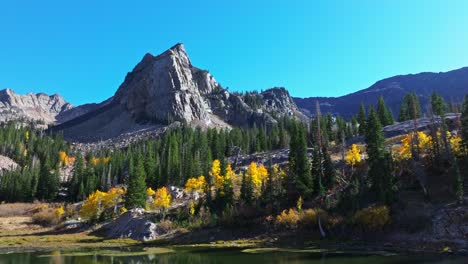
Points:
(452, 85)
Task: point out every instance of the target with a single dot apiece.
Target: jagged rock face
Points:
(167, 87)
(31, 106)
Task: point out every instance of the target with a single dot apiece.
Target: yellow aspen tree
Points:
(63, 158)
(455, 143)
(254, 176)
(196, 184)
(215, 174)
(263, 173)
(230, 174)
(353, 156)
(162, 199)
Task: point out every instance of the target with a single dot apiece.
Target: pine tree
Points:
(464, 123)
(299, 162)
(136, 192)
(379, 160)
(246, 191)
(438, 104)
(328, 169)
(385, 116)
(361, 119)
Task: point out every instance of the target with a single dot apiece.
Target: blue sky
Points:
(83, 49)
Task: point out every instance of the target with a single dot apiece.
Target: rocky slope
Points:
(452, 85)
(167, 88)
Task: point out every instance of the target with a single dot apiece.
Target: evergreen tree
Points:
(385, 116)
(298, 160)
(361, 119)
(464, 123)
(246, 191)
(438, 104)
(379, 160)
(136, 192)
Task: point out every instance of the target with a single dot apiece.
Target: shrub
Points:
(288, 218)
(166, 225)
(47, 217)
(372, 218)
(308, 218)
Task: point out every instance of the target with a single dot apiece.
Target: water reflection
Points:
(216, 257)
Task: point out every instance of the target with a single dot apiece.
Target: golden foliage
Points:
(353, 156)
(258, 176)
(230, 174)
(95, 161)
(162, 199)
(59, 211)
(150, 192)
(98, 201)
(215, 174)
(424, 145)
(299, 203)
(196, 184)
(372, 218)
(288, 218)
(455, 143)
(192, 208)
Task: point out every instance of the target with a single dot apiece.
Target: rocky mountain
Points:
(37, 107)
(167, 88)
(452, 85)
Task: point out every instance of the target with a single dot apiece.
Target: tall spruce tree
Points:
(361, 119)
(136, 192)
(384, 114)
(464, 124)
(298, 160)
(379, 160)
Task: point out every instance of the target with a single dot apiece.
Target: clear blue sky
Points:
(83, 49)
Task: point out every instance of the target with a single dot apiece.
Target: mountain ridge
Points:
(452, 85)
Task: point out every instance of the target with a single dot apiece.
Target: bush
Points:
(166, 225)
(288, 218)
(46, 217)
(308, 218)
(372, 218)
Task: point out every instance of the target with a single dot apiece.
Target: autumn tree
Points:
(162, 199)
(196, 185)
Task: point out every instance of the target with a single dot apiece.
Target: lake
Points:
(222, 255)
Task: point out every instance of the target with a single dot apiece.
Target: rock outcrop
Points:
(135, 224)
(167, 88)
(7, 164)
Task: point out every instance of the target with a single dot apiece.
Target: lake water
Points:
(210, 255)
